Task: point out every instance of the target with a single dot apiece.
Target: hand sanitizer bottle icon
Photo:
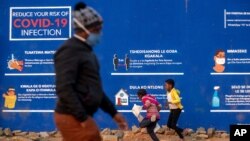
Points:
(216, 99)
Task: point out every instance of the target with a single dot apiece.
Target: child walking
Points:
(153, 107)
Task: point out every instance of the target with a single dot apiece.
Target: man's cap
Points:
(86, 16)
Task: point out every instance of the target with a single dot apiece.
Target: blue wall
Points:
(195, 29)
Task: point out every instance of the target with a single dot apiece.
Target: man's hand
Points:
(120, 121)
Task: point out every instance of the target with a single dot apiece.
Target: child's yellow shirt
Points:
(175, 94)
(10, 101)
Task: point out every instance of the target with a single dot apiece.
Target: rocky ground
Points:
(135, 134)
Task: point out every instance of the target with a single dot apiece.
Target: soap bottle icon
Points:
(216, 99)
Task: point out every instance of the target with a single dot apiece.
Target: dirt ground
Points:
(145, 137)
(130, 137)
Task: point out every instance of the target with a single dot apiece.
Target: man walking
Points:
(78, 82)
(175, 106)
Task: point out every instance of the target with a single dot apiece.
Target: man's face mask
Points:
(94, 38)
(220, 61)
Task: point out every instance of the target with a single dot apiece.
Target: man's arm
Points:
(107, 106)
(66, 67)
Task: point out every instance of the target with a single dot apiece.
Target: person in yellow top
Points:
(175, 106)
(10, 98)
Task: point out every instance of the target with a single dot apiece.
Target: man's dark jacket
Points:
(78, 82)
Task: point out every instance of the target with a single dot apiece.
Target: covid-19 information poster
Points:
(33, 36)
(40, 23)
(203, 45)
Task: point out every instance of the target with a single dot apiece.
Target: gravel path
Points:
(137, 137)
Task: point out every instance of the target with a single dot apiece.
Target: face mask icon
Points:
(220, 61)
